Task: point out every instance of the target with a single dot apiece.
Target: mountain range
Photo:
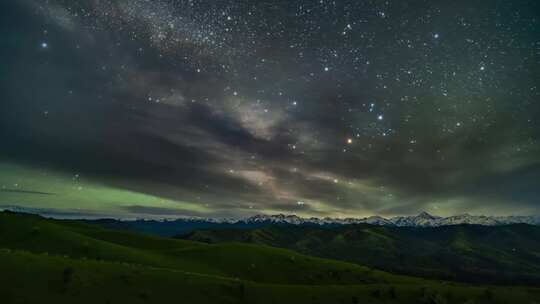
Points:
(423, 219)
(173, 227)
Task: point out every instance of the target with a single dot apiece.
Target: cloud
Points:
(187, 102)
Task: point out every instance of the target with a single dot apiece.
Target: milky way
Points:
(231, 108)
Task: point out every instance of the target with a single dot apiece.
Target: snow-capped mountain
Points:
(375, 220)
(423, 219)
(471, 219)
(278, 218)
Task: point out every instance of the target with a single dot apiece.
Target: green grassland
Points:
(49, 261)
(508, 254)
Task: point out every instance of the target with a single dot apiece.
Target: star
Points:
(333, 94)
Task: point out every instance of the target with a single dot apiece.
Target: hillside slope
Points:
(501, 254)
(48, 261)
(244, 261)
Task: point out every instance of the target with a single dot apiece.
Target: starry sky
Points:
(231, 108)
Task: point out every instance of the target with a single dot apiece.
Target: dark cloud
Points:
(248, 107)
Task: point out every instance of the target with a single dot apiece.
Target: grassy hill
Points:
(502, 254)
(49, 261)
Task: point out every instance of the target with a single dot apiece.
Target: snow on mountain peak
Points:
(423, 219)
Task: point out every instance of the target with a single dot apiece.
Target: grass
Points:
(48, 261)
(468, 253)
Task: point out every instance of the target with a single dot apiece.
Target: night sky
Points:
(232, 108)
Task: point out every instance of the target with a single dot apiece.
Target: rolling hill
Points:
(508, 254)
(51, 261)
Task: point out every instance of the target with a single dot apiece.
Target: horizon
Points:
(62, 215)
